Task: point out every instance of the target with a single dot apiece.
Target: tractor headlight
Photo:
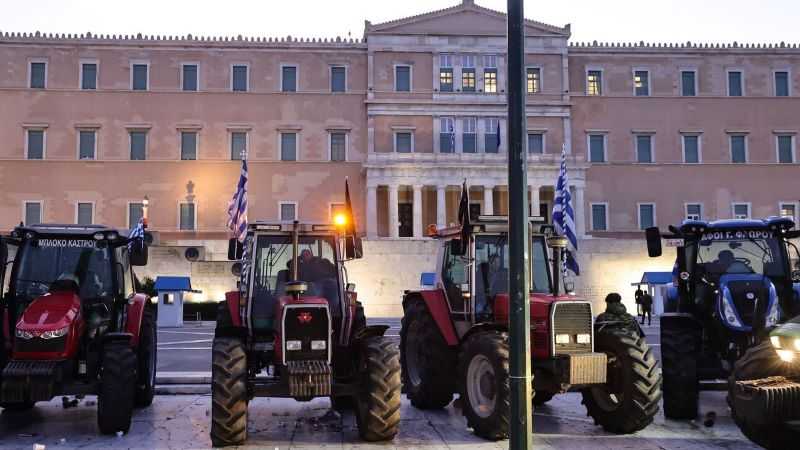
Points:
(293, 345)
(319, 345)
(61, 332)
(22, 334)
(786, 355)
(729, 313)
(776, 341)
(797, 344)
(562, 339)
(584, 338)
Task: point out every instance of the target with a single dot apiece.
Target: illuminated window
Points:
(594, 82)
(641, 83)
(789, 210)
(490, 81)
(446, 79)
(533, 80)
(468, 80)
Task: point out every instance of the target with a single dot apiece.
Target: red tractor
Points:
(295, 329)
(461, 321)
(72, 322)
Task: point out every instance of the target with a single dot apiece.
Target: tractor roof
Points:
(64, 229)
(770, 223)
(484, 223)
(287, 227)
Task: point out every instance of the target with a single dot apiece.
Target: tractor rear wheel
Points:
(148, 348)
(378, 399)
(223, 315)
(629, 399)
(228, 392)
(115, 398)
(758, 362)
(426, 359)
(679, 350)
(485, 388)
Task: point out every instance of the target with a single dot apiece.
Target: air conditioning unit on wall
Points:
(194, 254)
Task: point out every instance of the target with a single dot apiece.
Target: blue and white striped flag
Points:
(137, 234)
(237, 208)
(564, 216)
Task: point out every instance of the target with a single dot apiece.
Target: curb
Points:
(178, 389)
(183, 378)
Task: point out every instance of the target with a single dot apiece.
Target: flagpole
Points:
(521, 426)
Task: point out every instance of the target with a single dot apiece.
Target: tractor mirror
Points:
(139, 254)
(353, 247)
(235, 250)
(456, 248)
(653, 236)
(793, 234)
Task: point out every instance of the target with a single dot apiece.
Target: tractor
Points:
(764, 389)
(733, 282)
(73, 323)
(454, 336)
(295, 329)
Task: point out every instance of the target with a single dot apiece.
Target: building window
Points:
(402, 78)
(239, 78)
(533, 78)
(491, 136)
(288, 211)
(84, 213)
(35, 144)
(138, 140)
(785, 149)
(536, 143)
(735, 85)
(599, 217)
(469, 140)
(33, 213)
(490, 81)
(189, 77)
(139, 77)
(447, 135)
(788, 210)
(597, 148)
(594, 82)
(446, 79)
(403, 142)
(741, 210)
(288, 146)
(688, 83)
(187, 217)
(694, 211)
(647, 215)
(338, 79)
(238, 145)
(338, 146)
(288, 78)
(188, 145)
(641, 83)
(87, 143)
(135, 214)
(738, 149)
(89, 76)
(38, 75)
(644, 148)
(468, 79)
(691, 148)
(781, 84)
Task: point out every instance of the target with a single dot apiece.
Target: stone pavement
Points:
(182, 422)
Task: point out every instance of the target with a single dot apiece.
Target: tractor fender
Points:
(370, 331)
(481, 327)
(135, 312)
(117, 337)
(438, 308)
(232, 302)
(683, 320)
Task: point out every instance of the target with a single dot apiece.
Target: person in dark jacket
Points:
(616, 315)
(647, 307)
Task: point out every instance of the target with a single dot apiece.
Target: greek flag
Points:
(564, 216)
(237, 208)
(136, 235)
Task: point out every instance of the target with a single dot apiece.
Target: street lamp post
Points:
(145, 206)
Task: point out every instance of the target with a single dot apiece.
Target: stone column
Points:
(488, 200)
(417, 211)
(441, 206)
(534, 200)
(580, 212)
(372, 212)
(394, 221)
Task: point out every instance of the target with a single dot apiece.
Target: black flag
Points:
(348, 206)
(463, 216)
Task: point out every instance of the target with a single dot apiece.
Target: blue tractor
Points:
(733, 283)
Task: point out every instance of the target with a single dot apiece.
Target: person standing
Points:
(638, 297)
(647, 307)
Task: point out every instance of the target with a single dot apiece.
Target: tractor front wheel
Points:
(629, 399)
(148, 348)
(679, 351)
(426, 359)
(485, 388)
(115, 399)
(228, 392)
(378, 399)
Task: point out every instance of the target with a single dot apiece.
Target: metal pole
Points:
(295, 244)
(521, 432)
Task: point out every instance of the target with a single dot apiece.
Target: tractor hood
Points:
(50, 312)
(746, 300)
(50, 328)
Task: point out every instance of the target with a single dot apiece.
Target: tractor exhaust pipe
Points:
(558, 244)
(295, 244)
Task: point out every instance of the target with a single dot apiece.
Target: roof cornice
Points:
(687, 47)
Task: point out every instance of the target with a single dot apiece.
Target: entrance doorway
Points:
(405, 214)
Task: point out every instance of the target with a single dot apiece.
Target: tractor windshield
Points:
(491, 268)
(761, 254)
(42, 261)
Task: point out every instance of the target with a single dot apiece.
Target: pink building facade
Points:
(654, 133)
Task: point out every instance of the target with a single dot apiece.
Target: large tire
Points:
(223, 315)
(378, 399)
(758, 362)
(484, 387)
(629, 399)
(148, 358)
(679, 351)
(115, 398)
(228, 392)
(426, 359)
